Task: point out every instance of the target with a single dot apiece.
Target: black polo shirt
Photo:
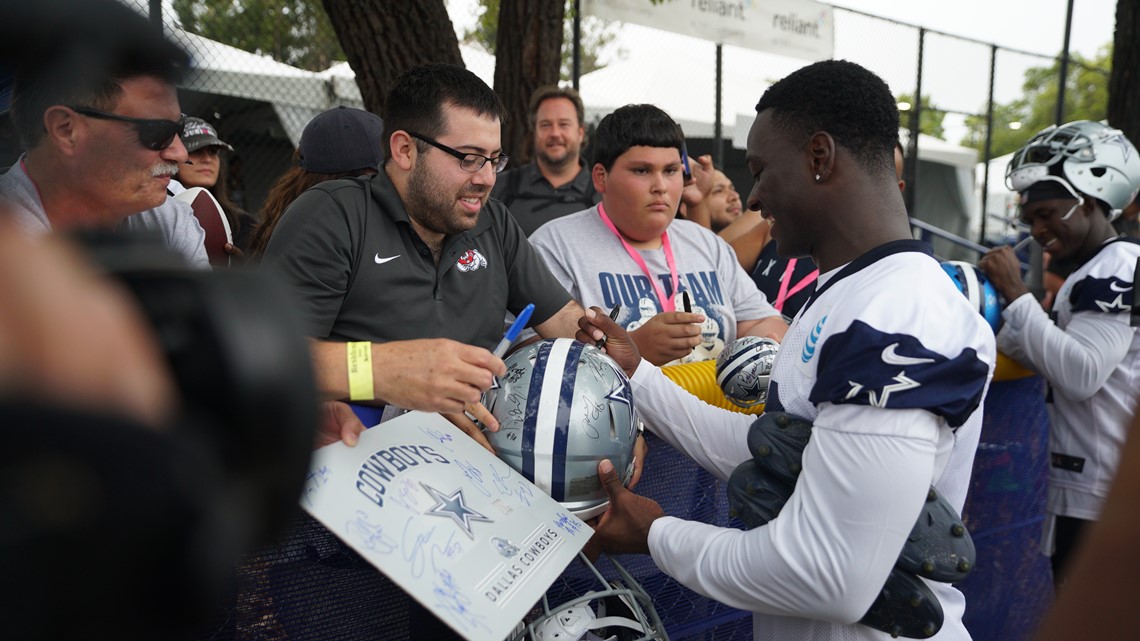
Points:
(534, 202)
(360, 272)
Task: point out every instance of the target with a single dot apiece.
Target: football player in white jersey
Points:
(886, 359)
(1074, 180)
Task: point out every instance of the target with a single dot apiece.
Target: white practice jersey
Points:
(891, 365)
(1091, 358)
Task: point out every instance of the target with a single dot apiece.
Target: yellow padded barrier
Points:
(1007, 369)
(699, 379)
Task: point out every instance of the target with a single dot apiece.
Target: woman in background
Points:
(339, 143)
(204, 170)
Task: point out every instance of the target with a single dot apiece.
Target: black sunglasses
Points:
(467, 161)
(155, 135)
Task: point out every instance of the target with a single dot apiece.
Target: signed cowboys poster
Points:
(464, 534)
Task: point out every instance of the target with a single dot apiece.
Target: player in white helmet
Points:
(1074, 180)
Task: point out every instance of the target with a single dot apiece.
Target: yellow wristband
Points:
(360, 371)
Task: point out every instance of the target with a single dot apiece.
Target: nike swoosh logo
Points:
(891, 358)
(381, 261)
(1123, 289)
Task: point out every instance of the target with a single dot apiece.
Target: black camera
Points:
(136, 533)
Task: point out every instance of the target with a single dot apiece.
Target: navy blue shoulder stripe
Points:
(864, 366)
(1108, 295)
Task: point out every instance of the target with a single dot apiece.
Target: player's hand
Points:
(470, 427)
(668, 336)
(703, 173)
(640, 454)
(1003, 269)
(337, 422)
(433, 375)
(624, 527)
(596, 325)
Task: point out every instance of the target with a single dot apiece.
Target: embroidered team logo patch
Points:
(470, 261)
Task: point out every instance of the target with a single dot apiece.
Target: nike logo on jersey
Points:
(890, 357)
(381, 261)
(1121, 289)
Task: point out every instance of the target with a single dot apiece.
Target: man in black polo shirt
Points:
(556, 182)
(419, 251)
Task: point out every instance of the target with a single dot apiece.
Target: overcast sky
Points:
(955, 74)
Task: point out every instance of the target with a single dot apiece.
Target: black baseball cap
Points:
(198, 133)
(342, 139)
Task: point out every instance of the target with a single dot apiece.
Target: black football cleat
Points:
(939, 547)
(756, 496)
(777, 440)
(905, 607)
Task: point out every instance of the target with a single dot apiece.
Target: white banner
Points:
(795, 28)
(468, 537)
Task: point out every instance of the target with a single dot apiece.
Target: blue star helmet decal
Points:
(452, 506)
(865, 366)
(1108, 295)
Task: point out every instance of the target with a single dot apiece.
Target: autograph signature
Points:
(474, 474)
(566, 524)
(315, 480)
(524, 493)
(451, 598)
(371, 535)
(437, 435)
(422, 552)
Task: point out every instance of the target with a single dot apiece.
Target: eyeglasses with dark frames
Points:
(155, 135)
(469, 162)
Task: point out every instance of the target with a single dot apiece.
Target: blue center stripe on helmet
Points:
(530, 421)
(562, 425)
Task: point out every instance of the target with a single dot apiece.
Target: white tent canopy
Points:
(1001, 202)
(296, 95)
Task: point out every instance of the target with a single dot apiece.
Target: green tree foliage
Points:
(596, 36)
(296, 32)
(929, 120)
(1086, 98)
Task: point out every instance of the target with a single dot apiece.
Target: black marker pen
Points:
(613, 316)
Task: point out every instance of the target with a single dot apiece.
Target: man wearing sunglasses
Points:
(100, 148)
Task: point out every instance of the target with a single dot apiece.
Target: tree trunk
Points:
(1124, 83)
(384, 38)
(528, 53)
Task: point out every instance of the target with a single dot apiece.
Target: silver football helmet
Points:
(562, 407)
(616, 609)
(1086, 157)
(744, 367)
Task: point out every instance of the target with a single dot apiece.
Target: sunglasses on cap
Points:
(155, 135)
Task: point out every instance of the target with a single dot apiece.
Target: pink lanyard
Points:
(785, 293)
(666, 303)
